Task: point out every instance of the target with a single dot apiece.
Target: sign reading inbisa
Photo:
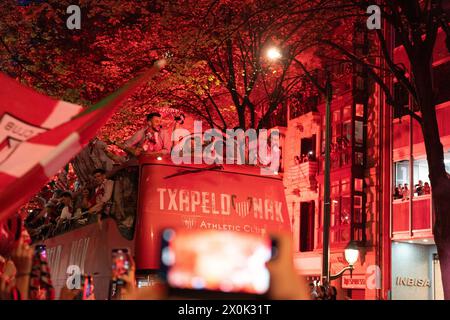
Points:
(412, 282)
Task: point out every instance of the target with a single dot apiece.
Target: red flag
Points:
(43, 134)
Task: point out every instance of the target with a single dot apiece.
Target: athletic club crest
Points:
(13, 131)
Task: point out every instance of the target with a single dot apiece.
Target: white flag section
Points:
(17, 125)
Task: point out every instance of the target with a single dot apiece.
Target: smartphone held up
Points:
(40, 251)
(216, 263)
(120, 264)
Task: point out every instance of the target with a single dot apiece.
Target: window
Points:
(340, 203)
(359, 133)
(336, 138)
(347, 113)
(341, 211)
(336, 116)
(308, 148)
(345, 212)
(346, 147)
(335, 211)
(359, 185)
(420, 175)
(335, 202)
(401, 172)
(420, 170)
(306, 226)
(335, 148)
(421, 181)
(345, 187)
(357, 209)
(345, 216)
(447, 161)
(359, 110)
(341, 137)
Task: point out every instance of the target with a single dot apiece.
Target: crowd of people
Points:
(56, 210)
(304, 158)
(25, 275)
(322, 291)
(402, 190)
(62, 210)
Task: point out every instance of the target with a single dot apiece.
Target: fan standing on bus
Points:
(151, 139)
(103, 192)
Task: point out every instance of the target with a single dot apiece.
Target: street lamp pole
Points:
(352, 250)
(327, 200)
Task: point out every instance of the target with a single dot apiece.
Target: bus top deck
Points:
(155, 194)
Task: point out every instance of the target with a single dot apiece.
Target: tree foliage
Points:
(217, 69)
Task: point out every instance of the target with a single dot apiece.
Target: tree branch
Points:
(311, 78)
(217, 109)
(431, 31)
(443, 20)
(398, 73)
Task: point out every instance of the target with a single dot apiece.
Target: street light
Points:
(351, 254)
(273, 53)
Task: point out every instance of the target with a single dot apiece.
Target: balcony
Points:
(417, 224)
(309, 170)
(302, 177)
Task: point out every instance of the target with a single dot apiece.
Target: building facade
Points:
(372, 150)
(414, 266)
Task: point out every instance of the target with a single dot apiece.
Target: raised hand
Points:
(6, 287)
(22, 256)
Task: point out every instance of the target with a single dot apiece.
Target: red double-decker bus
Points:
(158, 194)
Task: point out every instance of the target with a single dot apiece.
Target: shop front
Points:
(416, 273)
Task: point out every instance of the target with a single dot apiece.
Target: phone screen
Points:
(220, 261)
(120, 264)
(87, 288)
(41, 250)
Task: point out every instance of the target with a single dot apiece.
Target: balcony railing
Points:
(302, 177)
(308, 171)
(408, 223)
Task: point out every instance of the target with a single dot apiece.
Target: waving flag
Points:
(39, 135)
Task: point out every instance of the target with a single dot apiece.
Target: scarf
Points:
(41, 287)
